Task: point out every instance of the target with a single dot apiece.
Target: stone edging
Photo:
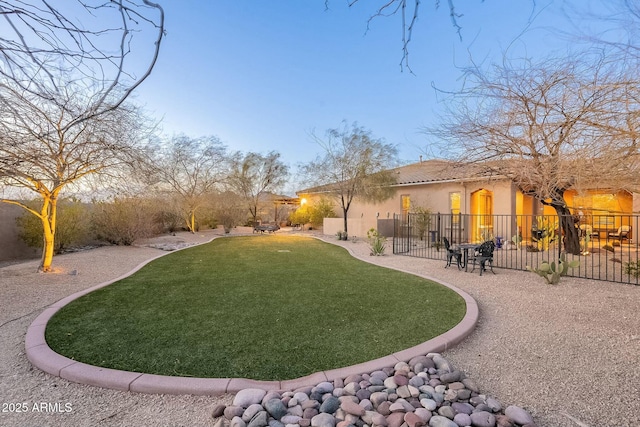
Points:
(45, 359)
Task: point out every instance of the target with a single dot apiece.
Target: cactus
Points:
(552, 272)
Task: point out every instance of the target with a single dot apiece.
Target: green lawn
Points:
(266, 307)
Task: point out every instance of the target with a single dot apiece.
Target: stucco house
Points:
(444, 187)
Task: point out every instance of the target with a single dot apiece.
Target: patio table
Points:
(465, 247)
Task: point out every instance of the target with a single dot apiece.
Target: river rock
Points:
(447, 411)
(450, 377)
(493, 404)
(395, 419)
(290, 419)
(330, 405)
(463, 408)
(248, 396)
(218, 410)
(233, 411)
(413, 420)
(237, 422)
(429, 404)
(324, 387)
(323, 420)
(463, 420)
(483, 419)
(350, 407)
(251, 411)
(440, 421)
(518, 415)
(275, 408)
(261, 419)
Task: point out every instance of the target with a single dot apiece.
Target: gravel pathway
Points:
(568, 354)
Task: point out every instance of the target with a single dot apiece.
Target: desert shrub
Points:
(377, 243)
(422, 218)
(124, 221)
(230, 210)
(300, 216)
(168, 220)
(313, 214)
(323, 208)
(72, 226)
(632, 268)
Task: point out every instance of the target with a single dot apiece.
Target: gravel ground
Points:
(569, 354)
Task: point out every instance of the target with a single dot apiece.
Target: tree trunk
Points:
(344, 211)
(568, 229)
(48, 217)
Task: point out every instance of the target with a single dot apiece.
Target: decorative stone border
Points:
(45, 359)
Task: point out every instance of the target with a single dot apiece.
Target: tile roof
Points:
(429, 171)
(438, 171)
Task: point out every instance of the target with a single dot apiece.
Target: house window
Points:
(454, 206)
(405, 201)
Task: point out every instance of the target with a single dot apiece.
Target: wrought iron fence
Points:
(605, 245)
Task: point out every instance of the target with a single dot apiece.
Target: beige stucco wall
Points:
(362, 215)
(356, 227)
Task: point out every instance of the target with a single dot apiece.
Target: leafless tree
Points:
(548, 126)
(65, 73)
(253, 175)
(92, 43)
(190, 169)
(38, 152)
(353, 165)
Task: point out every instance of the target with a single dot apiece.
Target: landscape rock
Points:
(427, 391)
(275, 408)
(248, 396)
(261, 419)
(518, 415)
(323, 420)
(440, 421)
(483, 419)
(218, 410)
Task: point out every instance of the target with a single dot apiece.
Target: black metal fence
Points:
(606, 245)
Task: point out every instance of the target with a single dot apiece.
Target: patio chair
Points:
(452, 253)
(624, 232)
(483, 255)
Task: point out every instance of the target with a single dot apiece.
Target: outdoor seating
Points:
(452, 253)
(261, 228)
(624, 232)
(483, 255)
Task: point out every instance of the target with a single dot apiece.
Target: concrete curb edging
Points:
(44, 358)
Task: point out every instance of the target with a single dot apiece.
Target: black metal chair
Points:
(483, 255)
(452, 253)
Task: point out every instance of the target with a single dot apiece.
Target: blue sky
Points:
(264, 75)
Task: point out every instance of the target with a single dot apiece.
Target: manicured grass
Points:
(266, 307)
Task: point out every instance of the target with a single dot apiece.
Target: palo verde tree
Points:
(253, 175)
(190, 169)
(549, 126)
(64, 77)
(353, 164)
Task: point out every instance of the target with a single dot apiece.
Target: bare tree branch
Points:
(42, 48)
